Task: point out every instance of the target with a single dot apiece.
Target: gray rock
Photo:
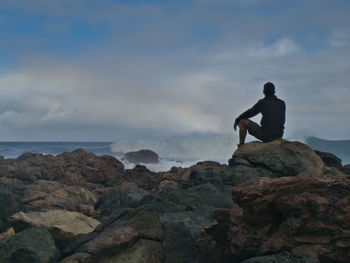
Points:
(142, 156)
(280, 157)
(330, 159)
(123, 232)
(34, 245)
(9, 204)
(143, 251)
(241, 173)
(346, 169)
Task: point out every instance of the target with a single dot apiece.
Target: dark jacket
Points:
(273, 112)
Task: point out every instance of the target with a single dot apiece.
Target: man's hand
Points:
(235, 126)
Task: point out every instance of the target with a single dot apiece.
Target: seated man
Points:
(273, 112)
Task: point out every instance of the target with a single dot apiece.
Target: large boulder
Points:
(274, 159)
(32, 245)
(142, 156)
(125, 236)
(303, 215)
(63, 225)
(48, 195)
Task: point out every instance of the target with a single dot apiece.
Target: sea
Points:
(181, 151)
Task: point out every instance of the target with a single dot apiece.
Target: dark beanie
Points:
(269, 89)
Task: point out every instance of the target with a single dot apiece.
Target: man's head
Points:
(269, 89)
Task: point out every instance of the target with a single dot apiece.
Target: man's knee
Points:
(243, 123)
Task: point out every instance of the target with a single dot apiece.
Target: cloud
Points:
(282, 47)
(171, 69)
(340, 38)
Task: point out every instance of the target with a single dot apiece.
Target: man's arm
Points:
(255, 110)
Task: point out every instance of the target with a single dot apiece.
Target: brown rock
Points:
(177, 173)
(77, 168)
(5, 236)
(302, 215)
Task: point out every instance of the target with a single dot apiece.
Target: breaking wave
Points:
(195, 147)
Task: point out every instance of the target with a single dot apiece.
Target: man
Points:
(273, 112)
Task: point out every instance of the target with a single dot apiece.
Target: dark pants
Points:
(256, 130)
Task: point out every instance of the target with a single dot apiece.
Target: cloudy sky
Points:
(130, 69)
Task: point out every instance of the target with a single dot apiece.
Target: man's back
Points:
(273, 112)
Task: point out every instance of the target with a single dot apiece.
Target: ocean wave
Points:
(197, 147)
(163, 164)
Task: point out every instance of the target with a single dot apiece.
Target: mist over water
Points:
(196, 147)
(340, 148)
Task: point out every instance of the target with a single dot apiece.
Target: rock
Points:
(303, 215)
(77, 168)
(63, 225)
(180, 244)
(330, 159)
(142, 156)
(143, 251)
(333, 173)
(9, 204)
(78, 258)
(143, 177)
(346, 169)
(195, 193)
(126, 195)
(274, 159)
(5, 236)
(48, 195)
(242, 173)
(130, 236)
(284, 257)
(28, 156)
(123, 233)
(32, 245)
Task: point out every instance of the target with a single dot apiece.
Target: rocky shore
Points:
(273, 202)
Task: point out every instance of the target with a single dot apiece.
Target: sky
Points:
(109, 70)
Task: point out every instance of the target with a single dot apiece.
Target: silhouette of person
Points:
(273, 112)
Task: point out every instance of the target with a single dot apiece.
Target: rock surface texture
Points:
(276, 159)
(303, 215)
(63, 225)
(274, 202)
(31, 245)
